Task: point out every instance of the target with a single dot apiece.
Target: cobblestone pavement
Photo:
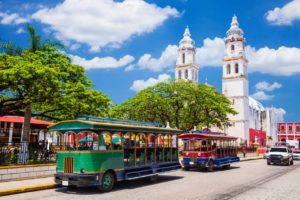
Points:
(245, 180)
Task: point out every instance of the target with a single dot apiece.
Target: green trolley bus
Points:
(101, 151)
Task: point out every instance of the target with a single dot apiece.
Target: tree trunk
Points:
(26, 126)
(23, 156)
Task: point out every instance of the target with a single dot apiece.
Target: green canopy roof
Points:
(81, 125)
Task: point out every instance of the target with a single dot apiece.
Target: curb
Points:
(30, 165)
(249, 159)
(28, 189)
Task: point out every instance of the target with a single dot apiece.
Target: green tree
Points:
(181, 103)
(35, 44)
(56, 88)
(42, 81)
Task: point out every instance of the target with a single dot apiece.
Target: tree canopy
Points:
(56, 88)
(181, 103)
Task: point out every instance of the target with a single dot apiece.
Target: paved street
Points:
(246, 180)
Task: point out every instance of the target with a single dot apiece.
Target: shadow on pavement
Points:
(119, 185)
(216, 170)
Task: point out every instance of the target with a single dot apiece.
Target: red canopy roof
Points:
(18, 119)
(211, 136)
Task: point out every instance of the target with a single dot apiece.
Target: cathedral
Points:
(254, 122)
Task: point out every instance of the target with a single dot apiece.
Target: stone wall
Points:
(26, 171)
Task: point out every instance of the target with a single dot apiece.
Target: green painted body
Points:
(92, 161)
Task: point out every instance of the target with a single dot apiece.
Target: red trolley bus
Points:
(208, 150)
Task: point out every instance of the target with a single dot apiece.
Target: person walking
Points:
(244, 151)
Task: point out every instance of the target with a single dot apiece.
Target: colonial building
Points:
(254, 122)
(185, 65)
(289, 133)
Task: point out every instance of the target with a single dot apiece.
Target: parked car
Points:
(296, 155)
(266, 153)
(280, 155)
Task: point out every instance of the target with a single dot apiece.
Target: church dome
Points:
(255, 105)
(187, 41)
(234, 28)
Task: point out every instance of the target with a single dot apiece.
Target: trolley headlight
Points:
(82, 171)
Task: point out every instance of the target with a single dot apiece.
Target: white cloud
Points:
(11, 18)
(261, 95)
(263, 85)
(102, 63)
(211, 53)
(285, 15)
(142, 84)
(166, 60)
(20, 30)
(103, 23)
(282, 61)
(74, 47)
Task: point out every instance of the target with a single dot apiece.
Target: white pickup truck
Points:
(280, 155)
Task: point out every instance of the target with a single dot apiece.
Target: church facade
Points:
(254, 122)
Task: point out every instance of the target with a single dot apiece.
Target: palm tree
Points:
(34, 45)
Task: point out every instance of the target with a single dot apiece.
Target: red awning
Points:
(18, 119)
(206, 136)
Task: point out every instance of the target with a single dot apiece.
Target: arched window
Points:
(117, 141)
(232, 47)
(186, 74)
(236, 68)
(87, 140)
(183, 58)
(179, 74)
(105, 140)
(228, 69)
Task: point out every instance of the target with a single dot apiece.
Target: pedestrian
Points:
(244, 151)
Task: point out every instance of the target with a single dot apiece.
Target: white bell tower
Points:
(185, 65)
(235, 80)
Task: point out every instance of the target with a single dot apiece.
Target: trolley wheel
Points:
(187, 168)
(70, 187)
(152, 178)
(226, 167)
(210, 167)
(107, 182)
(268, 163)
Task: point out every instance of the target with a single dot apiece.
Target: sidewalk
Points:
(20, 186)
(251, 157)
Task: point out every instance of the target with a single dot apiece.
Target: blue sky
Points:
(128, 45)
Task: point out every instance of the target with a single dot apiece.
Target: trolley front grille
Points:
(69, 165)
(193, 158)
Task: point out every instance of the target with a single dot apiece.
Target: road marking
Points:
(255, 184)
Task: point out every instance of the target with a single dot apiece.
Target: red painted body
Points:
(199, 154)
(212, 150)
